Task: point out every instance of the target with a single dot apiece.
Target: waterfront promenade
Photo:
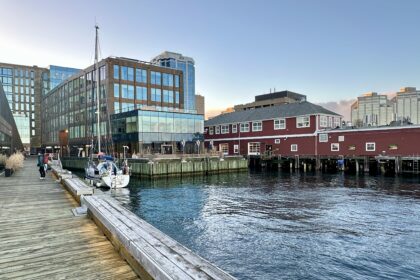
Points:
(41, 239)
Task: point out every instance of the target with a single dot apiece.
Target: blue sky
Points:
(328, 50)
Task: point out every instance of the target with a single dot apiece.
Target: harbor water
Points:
(289, 226)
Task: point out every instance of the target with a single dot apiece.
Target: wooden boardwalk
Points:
(41, 239)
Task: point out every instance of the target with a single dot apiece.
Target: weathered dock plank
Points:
(41, 239)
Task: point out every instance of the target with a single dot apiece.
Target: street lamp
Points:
(125, 147)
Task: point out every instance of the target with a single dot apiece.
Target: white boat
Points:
(105, 173)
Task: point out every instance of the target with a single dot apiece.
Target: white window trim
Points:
(335, 144)
(260, 127)
(224, 145)
(224, 129)
(277, 141)
(294, 146)
(301, 117)
(240, 127)
(236, 149)
(211, 130)
(254, 153)
(323, 121)
(370, 143)
(279, 126)
(234, 128)
(217, 129)
(323, 141)
(341, 138)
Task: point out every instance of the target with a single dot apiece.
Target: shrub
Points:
(15, 161)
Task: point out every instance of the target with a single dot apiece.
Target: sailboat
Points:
(104, 173)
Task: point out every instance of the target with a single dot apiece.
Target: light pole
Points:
(125, 147)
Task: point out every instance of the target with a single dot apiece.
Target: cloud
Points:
(213, 112)
(342, 107)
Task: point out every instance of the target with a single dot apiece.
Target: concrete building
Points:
(187, 66)
(372, 109)
(272, 99)
(154, 93)
(24, 86)
(200, 105)
(9, 135)
(407, 105)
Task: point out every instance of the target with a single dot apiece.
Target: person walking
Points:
(41, 166)
(45, 161)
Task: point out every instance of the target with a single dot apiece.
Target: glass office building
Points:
(9, 136)
(187, 66)
(69, 110)
(150, 131)
(23, 86)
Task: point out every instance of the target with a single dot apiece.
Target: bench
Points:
(77, 188)
(151, 253)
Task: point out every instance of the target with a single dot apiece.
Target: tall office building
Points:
(407, 105)
(187, 66)
(142, 106)
(24, 86)
(372, 109)
(9, 136)
(200, 105)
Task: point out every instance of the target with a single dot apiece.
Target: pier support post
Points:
(357, 166)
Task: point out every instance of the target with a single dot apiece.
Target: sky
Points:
(332, 51)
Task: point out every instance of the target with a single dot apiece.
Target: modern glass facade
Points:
(59, 74)
(9, 136)
(23, 86)
(156, 126)
(126, 85)
(186, 65)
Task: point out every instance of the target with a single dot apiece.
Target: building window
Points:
(116, 107)
(168, 80)
(302, 121)
(141, 75)
(279, 124)
(236, 149)
(224, 148)
(176, 97)
(341, 138)
(130, 75)
(244, 127)
(141, 93)
(156, 95)
(211, 130)
(254, 148)
(276, 141)
(323, 121)
(294, 147)
(335, 147)
(337, 122)
(124, 73)
(155, 78)
(116, 72)
(217, 129)
(370, 147)
(234, 128)
(177, 81)
(256, 126)
(393, 147)
(323, 137)
(225, 129)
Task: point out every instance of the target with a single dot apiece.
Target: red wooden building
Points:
(305, 130)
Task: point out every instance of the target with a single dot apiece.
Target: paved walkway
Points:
(41, 239)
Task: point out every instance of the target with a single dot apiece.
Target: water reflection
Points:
(282, 226)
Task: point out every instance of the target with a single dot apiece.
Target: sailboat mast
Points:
(97, 90)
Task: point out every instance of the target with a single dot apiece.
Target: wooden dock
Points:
(41, 239)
